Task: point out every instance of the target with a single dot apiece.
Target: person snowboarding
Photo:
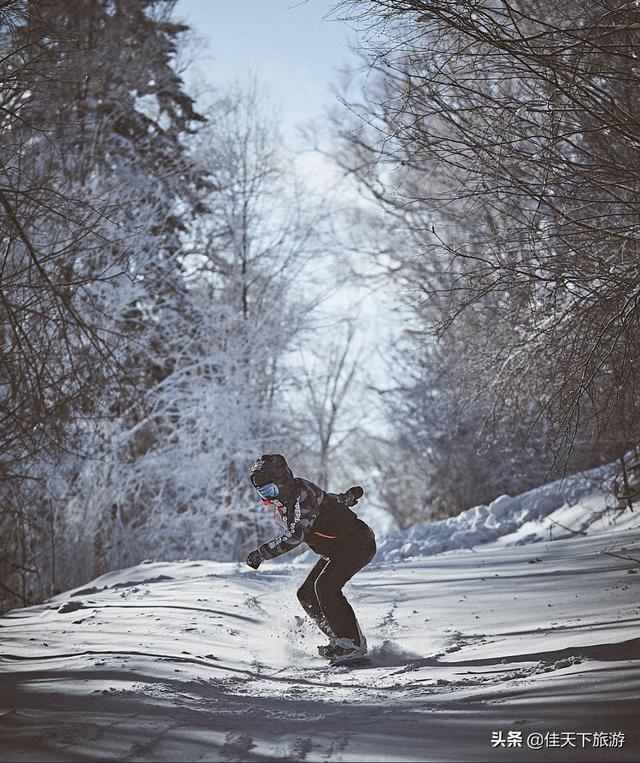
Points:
(325, 522)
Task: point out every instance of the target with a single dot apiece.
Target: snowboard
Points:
(354, 664)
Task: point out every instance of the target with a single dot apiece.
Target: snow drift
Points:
(561, 508)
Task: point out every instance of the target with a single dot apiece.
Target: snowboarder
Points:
(326, 524)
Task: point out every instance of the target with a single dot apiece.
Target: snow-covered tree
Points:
(172, 481)
(96, 188)
(499, 141)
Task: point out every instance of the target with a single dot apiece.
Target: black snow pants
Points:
(321, 593)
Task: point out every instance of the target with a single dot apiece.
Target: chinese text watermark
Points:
(537, 740)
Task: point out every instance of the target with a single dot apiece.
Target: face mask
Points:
(268, 492)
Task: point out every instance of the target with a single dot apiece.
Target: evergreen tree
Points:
(97, 188)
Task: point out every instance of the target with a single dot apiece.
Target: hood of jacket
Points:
(272, 467)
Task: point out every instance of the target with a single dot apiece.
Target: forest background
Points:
(171, 291)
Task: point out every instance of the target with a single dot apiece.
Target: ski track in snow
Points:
(205, 661)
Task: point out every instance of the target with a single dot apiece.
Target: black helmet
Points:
(271, 467)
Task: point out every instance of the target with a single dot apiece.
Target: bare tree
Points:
(502, 137)
(331, 413)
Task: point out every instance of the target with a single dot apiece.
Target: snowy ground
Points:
(530, 645)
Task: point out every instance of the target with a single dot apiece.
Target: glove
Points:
(356, 492)
(254, 559)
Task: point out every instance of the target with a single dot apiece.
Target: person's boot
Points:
(345, 649)
(324, 650)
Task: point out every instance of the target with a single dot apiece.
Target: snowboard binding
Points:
(343, 650)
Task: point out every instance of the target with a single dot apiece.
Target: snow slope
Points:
(525, 645)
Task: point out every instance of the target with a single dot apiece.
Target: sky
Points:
(294, 47)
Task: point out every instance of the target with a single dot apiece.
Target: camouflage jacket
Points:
(322, 520)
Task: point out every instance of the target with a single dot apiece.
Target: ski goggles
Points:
(268, 491)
